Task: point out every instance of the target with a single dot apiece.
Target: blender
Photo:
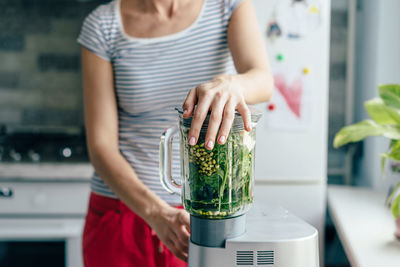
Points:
(217, 190)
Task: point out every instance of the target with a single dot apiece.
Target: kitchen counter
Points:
(364, 225)
(77, 172)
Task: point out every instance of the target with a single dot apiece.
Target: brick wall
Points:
(40, 82)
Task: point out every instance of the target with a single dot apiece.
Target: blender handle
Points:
(165, 161)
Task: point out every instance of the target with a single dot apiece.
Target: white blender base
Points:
(273, 237)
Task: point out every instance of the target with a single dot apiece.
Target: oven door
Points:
(41, 223)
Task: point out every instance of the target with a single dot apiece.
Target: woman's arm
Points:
(227, 93)
(249, 55)
(101, 120)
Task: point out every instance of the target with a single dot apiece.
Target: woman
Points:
(142, 58)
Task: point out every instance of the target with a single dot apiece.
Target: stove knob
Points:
(6, 192)
(66, 152)
(33, 156)
(14, 155)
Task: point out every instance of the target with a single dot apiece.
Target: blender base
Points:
(273, 237)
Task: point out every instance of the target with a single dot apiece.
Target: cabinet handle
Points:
(6, 192)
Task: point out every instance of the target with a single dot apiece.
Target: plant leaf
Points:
(394, 191)
(381, 113)
(383, 164)
(394, 153)
(390, 93)
(396, 207)
(363, 129)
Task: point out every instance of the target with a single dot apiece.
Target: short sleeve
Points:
(92, 35)
(231, 5)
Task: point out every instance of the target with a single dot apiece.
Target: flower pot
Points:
(397, 233)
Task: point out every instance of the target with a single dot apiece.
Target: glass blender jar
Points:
(217, 183)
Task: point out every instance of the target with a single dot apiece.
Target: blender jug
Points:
(217, 183)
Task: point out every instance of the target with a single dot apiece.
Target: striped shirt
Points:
(152, 76)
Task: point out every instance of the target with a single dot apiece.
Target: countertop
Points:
(77, 172)
(365, 226)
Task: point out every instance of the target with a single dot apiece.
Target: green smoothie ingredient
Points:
(220, 181)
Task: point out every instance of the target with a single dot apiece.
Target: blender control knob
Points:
(14, 155)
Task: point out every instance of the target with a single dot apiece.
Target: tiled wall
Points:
(40, 83)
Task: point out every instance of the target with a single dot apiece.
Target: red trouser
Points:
(114, 236)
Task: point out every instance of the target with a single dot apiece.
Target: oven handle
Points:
(6, 192)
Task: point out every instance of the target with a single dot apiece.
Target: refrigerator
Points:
(291, 149)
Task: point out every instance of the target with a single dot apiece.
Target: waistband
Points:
(102, 204)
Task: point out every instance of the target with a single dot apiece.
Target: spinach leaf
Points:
(220, 181)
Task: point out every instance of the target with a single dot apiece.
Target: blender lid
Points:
(237, 121)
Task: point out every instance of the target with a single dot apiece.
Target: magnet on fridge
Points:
(273, 30)
(313, 9)
(306, 70)
(280, 57)
(271, 107)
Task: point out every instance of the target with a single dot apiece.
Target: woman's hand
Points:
(226, 93)
(222, 96)
(172, 228)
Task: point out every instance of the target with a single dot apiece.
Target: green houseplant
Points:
(385, 121)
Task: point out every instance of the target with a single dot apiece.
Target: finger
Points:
(182, 234)
(185, 232)
(179, 237)
(189, 103)
(175, 250)
(214, 122)
(183, 256)
(179, 251)
(181, 229)
(184, 218)
(228, 116)
(200, 113)
(244, 111)
(182, 244)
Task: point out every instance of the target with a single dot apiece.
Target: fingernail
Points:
(249, 127)
(192, 141)
(210, 144)
(222, 139)
(185, 112)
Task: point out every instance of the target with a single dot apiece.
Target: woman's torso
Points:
(154, 75)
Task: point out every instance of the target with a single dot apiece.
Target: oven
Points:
(44, 190)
